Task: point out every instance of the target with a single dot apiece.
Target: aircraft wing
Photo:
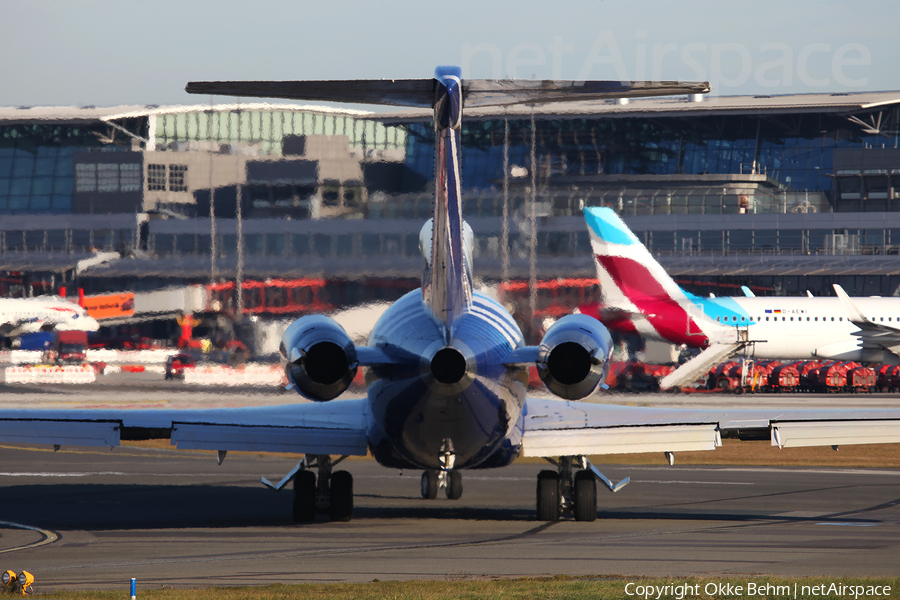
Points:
(571, 428)
(336, 427)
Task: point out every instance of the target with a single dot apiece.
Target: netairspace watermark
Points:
(726, 65)
(685, 591)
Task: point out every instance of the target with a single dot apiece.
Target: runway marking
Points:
(845, 524)
(814, 471)
(49, 536)
(122, 474)
(694, 482)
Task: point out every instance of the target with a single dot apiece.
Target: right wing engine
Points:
(573, 358)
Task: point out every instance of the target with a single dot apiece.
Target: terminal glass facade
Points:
(36, 165)
(793, 149)
(268, 128)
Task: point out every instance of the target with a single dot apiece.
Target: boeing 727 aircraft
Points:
(640, 297)
(446, 366)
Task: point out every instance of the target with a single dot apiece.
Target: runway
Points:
(176, 518)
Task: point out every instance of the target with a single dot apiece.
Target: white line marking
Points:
(694, 482)
(49, 536)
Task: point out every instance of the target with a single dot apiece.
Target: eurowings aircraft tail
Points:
(447, 286)
(637, 288)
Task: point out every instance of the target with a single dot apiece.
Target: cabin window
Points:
(817, 318)
(734, 318)
(717, 318)
(743, 319)
(767, 318)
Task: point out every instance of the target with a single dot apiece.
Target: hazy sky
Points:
(71, 52)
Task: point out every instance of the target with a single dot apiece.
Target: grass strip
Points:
(470, 587)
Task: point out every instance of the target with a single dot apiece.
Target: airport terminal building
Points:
(782, 193)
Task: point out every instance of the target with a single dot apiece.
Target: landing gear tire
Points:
(304, 508)
(548, 496)
(429, 484)
(585, 508)
(341, 507)
(454, 485)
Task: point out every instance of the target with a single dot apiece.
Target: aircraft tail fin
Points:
(447, 287)
(632, 281)
(627, 271)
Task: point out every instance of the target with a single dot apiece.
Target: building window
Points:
(107, 177)
(130, 177)
(156, 178)
(177, 178)
(85, 178)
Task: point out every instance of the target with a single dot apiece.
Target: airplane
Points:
(640, 297)
(43, 313)
(446, 366)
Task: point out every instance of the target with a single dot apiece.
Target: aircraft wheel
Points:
(585, 496)
(341, 507)
(304, 509)
(454, 485)
(429, 484)
(548, 496)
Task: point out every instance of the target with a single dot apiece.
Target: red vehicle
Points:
(784, 378)
(555, 298)
(71, 346)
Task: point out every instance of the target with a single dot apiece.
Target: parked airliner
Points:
(640, 297)
(446, 367)
(43, 313)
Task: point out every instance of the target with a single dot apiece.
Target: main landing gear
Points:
(331, 492)
(571, 489)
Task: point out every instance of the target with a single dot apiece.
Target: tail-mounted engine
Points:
(574, 356)
(319, 357)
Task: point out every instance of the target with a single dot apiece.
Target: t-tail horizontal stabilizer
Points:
(422, 92)
(694, 368)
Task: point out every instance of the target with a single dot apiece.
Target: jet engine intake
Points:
(574, 356)
(319, 357)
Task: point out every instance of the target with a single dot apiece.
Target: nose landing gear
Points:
(447, 478)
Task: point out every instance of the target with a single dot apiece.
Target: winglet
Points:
(856, 315)
(748, 292)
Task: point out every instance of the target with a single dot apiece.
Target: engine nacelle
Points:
(574, 356)
(319, 357)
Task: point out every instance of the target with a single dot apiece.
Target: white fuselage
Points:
(27, 315)
(804, 328)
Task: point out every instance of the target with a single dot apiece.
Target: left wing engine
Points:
(319, 357)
